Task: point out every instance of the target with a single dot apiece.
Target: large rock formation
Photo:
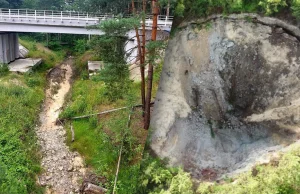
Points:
(229, 94)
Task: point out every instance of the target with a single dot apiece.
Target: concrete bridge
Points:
(43, 21)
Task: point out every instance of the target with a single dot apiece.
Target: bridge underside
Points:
(14, 27)
(9, 47)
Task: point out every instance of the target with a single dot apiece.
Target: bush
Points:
(206, 7)
(272, 6)
(282, 178)
(4, 70)
(296, 8)
(54, 45)
(81, 46)
(156, 178)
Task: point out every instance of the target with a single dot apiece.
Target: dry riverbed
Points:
(63, 169)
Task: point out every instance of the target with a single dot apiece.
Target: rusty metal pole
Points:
(143, 81)
(155, 12)
(142, 68)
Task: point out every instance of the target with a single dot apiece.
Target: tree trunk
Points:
(155, 12)
(142, 68)
(143, 82)
(168, 8)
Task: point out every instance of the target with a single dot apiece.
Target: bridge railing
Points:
(46, 15)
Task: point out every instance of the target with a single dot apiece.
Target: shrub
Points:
(55, 45)
(4, 70)
(283, 178)
(272, 6)
(81, 46)
(296, 8)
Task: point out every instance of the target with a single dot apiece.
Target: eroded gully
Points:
(63, 169)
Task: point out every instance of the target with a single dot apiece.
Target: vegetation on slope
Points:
(19, 106)
(20, 100)
(38, 50)
(202, 8)
(98, 139)
(280, 177)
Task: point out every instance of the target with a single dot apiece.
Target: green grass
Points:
(37, 50)
(278, 177)
(19, 158)
(98, 139)
(21, 97)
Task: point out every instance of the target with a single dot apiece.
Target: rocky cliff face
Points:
(229, 95)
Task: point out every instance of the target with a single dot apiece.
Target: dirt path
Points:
(63, 168)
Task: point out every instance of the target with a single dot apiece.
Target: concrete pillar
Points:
(1, 49)
(17, 51)
(6, 58)
(9, 47)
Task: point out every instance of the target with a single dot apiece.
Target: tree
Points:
(155, 12)
(111, 49)
(101, 6)
(4, 4)
(51, 5)
(12, 4)
(30, 4)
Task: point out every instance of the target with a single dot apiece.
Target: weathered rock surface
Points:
(228, 97)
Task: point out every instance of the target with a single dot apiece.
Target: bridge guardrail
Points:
(23, 14)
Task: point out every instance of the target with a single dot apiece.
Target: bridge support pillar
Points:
(9, 47)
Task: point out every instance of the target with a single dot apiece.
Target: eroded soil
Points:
(63, 169)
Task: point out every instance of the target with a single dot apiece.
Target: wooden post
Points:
(155, 12)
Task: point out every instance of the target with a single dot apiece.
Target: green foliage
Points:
(20, 100)
(4, 4)
(271, 6)
(19, 163)
(156, 178)
(283, 178)
(119, 27)
(99, 6)
(54, 45)
(37, 50)
(201, 8)
(296, 8)
(179, 10)
(33, 80)
(81, 46)
(30, 4)
(155, 49)
(99, 142)
(116, 79)
(111, 49)
(12, 4)
(4, 70)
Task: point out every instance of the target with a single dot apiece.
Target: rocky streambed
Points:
(63, 169)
